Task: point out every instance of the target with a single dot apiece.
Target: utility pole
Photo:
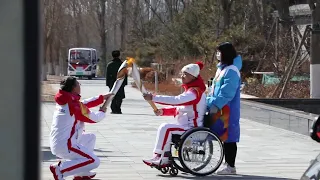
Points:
(315, 49)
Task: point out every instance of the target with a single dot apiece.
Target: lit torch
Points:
(136, 77)
(122, 72)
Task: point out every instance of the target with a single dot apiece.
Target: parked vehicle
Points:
(82, 62)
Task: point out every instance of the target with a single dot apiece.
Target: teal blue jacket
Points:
(225, 95)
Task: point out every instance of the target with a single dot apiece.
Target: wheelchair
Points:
(198, 151)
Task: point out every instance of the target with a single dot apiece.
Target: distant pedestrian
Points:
(111, 77)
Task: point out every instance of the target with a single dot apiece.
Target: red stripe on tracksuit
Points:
(91, 160)
(193, 103)
(195, 124)
(95, 102)
(167, 135)
(169, 111)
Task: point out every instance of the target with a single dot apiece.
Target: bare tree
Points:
(123, 26)
(226, 7)
(101, 13)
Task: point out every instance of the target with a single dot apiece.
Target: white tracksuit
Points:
(188, 108)
(67, 138)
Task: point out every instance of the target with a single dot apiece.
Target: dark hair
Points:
(228, 53)
(115, 54)
(68, 84)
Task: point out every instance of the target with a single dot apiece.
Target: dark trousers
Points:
(230, 153)
(116, 105)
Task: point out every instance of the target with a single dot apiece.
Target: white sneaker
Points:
(227, 170)
(86, 175)
(55, 170)
(157, 161)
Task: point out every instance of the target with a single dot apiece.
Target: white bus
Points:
(82, 62)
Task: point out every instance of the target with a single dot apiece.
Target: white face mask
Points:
(218, 55)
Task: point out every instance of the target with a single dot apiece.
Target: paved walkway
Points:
(123, 140)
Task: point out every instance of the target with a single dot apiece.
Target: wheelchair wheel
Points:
(201, 152)
(176, 161)
(173, 171)
(164, 170)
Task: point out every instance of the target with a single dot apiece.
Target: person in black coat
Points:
(111, 77)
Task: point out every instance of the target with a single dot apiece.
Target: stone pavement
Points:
(264, 152)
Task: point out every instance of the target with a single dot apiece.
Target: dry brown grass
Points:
(47, 92)
(295, 90)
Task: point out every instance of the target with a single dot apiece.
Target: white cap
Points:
(192, 69)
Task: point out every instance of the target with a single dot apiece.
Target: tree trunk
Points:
(76, 17)
(123, 24)
(51, 62)
(256, 12)
(285, 43)
(44, 71)
(103, 44)
(226, 10)
(57, 58)
(170, 9)
(115, 22)
(135, 15)
(44, 68)
(153, 5)
(284, 16)
(265, 15)
(283, 9)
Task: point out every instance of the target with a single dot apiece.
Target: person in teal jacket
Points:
(223, 103)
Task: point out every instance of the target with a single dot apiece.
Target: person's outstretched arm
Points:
(187, 98)
(93, 101)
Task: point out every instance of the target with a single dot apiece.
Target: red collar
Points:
(63, 97)
(198, 82)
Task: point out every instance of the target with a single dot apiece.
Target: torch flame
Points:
(130, 61)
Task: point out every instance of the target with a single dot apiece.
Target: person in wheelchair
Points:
(188, 108)
(223, 103)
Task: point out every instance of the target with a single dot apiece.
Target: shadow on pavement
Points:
(48, 156)
(231, 177)
(99, 150)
